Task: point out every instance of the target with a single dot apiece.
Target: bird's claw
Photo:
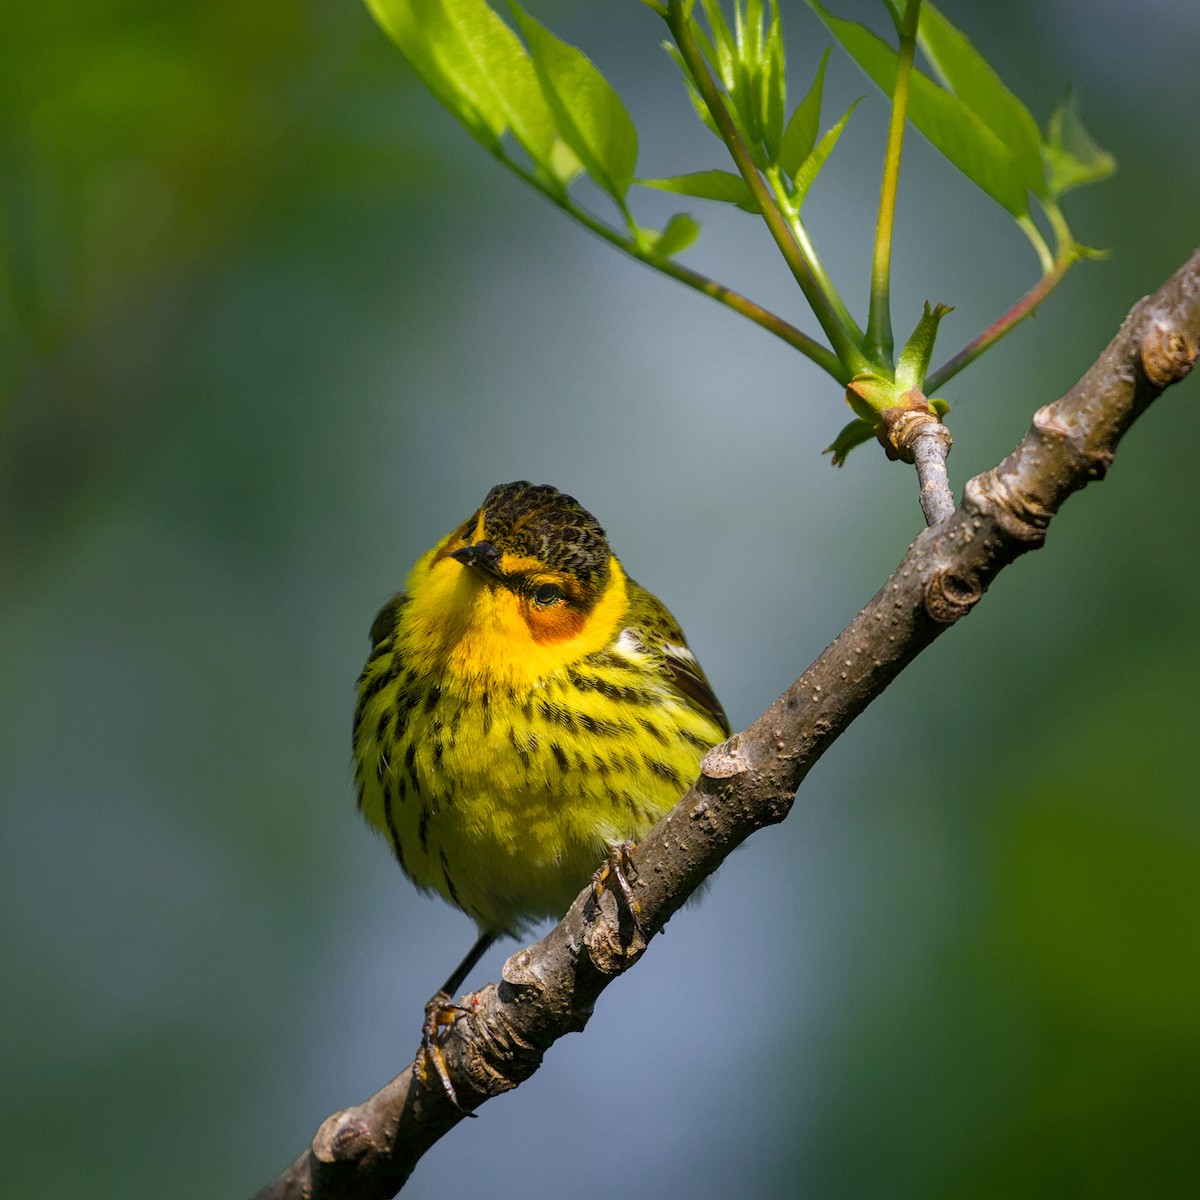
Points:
(616, 872)
(440, 1013)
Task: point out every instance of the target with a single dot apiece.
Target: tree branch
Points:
(750, 781)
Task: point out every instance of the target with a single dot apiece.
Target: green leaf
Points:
(724, 186)
(869, 393)
(940, 115)
(721, 52)
(1073, 159)
(681, 231)
(816, 160)
(590, 116)
(476, 67)
(773, 85)
(800, 136)
(971, 78)
(913, 364)
(854, 434)
(749, 31)
(564, 162)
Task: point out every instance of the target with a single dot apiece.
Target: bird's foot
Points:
(440, 1014)
(615, 873)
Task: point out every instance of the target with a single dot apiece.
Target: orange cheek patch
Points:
(557, 624)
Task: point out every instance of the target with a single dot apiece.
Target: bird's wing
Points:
(384, 624)
(689, 678)
(653, 628)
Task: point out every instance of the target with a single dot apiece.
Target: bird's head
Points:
(525, 584)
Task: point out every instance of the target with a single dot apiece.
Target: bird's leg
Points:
(441, 1012)
(616, 872)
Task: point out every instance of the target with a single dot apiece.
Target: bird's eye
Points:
(548, 593)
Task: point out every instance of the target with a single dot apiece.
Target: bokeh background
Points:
(271, 325)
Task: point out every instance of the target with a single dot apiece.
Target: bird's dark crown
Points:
(540, 521)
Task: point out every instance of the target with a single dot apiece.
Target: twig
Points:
(930, 447)
(750, 781)
(918, 437)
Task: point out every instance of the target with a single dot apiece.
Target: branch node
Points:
(1048, 421)
(903, 426)
(1095, 459)
(724, 761)
(1167, 355)
(1018, 515)
(519, 974)
(344, 1136)
(950, 596)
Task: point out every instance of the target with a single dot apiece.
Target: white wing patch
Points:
(681, 654)
(631, 646)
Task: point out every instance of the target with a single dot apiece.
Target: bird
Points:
(525, 708)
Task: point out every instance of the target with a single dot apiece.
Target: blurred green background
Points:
(271, 324)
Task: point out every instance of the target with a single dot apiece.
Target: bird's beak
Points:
(482, 556)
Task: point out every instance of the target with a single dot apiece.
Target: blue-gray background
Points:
(271, 325)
